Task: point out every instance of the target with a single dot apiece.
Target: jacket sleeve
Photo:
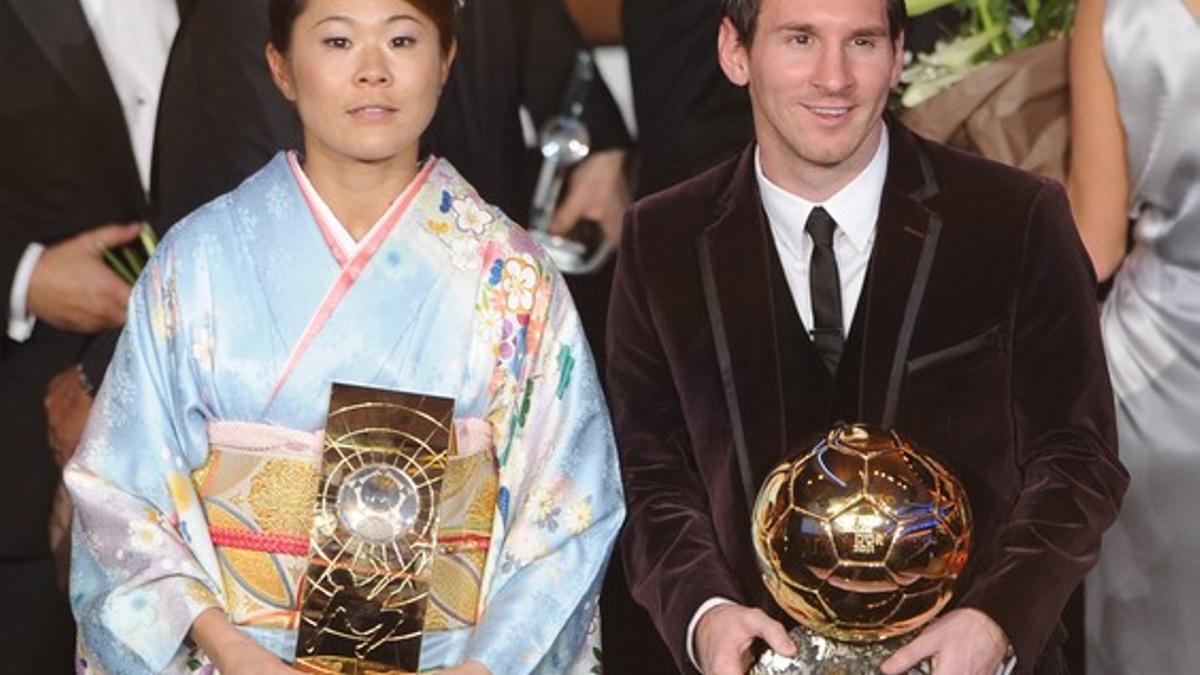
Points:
(1072, 481)
(672, 558)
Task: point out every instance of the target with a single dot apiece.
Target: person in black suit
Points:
(842, 268)
(515, 54)
(70, 181)
(689, 115)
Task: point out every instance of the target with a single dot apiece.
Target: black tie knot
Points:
(820, 227)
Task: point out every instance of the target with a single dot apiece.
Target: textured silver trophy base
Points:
(818, 655)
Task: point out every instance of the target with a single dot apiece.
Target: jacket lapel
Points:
(906, 240)
(62, 32)
(734, 257)
(185, 11)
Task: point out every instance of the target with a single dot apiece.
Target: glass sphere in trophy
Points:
(859, 539)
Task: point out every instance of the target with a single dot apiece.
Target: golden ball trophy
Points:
(859, 539)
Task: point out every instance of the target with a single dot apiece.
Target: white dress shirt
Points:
(855, 209)
(134, 37)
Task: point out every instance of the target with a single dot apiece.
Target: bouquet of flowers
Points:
(128, 260)
(999, 87)
(992, 29)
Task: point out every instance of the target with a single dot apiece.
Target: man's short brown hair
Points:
(744, 15)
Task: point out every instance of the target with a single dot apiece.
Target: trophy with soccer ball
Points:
(860, 539)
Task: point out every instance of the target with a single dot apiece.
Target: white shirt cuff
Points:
(691, 629)
(20, 321)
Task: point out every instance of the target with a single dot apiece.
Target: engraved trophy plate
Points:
(374, 531)
(860, 539)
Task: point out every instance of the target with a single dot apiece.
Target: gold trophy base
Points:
(819, 655)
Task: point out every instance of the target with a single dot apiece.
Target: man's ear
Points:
(733, 55)
(281, 72)
(898, 57)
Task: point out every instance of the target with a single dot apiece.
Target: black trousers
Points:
(37, 633)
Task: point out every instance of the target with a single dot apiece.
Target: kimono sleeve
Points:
(560, 501)
(136, 582)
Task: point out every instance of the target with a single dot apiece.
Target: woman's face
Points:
(365, 76)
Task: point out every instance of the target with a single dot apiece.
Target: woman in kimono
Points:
(195, 482)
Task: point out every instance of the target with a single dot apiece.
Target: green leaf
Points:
(149, 239)
(135, 265)
(117, 266)
(919, 7)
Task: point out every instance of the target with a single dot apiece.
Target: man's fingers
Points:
(113, 301)
(110, 236)
(776, 636)
(910, 655)
(568, 212)
(114, 315)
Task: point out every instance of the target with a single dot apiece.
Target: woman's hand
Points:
(231, 650)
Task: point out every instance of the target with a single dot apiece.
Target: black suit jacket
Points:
(67, 166)
(689, 115)
(512, 53)
(976, 335)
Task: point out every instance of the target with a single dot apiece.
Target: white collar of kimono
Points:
(340, 241)
(351, 260)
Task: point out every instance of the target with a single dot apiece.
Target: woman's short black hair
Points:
(443, 14)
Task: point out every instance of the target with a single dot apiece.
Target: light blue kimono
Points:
(455, 302)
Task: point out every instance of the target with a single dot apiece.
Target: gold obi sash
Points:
(259, 486)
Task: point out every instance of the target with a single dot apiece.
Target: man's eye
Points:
(863, 42)
(801, 39)
(404, 41)
(337, 42)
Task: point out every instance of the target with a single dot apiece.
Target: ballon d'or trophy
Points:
(860, 539)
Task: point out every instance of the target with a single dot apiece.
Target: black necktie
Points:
(826, 288)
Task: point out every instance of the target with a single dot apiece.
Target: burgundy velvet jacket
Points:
(976, 335)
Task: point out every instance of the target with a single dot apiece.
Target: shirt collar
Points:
(855, 207)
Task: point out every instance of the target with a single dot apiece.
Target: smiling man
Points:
(842, 268)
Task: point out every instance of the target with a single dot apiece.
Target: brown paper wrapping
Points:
(1014, 110)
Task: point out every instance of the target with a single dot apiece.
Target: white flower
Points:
(491, 325)
(145, 536)
(464, 253)
(519, 281)
(469, 217)
(579, 516)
